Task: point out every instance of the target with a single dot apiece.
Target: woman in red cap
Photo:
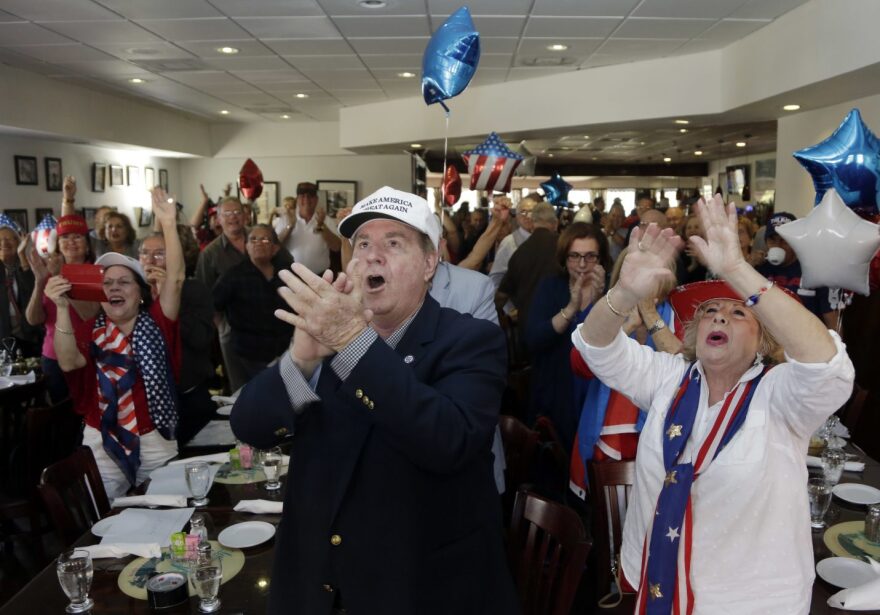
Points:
(719, 519)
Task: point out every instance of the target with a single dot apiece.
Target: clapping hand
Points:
(646, 264)
(720, 251)
(56, 289)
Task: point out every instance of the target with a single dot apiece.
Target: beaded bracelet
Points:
(753, 300)
(611, 307)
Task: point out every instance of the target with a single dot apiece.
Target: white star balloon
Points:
(834, 245)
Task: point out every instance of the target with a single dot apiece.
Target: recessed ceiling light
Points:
(740, 143)
(136, 80)
(550, 155)
(791, 107)
(224, 112)
(406, 75)
(285, 117)
(667, 159)
(415, 145)
(682, 121)
(557, 47)
(301, 95)
(682, 130)
(641, 142)
(586, 136)
(227, 50)
(594, 158)
(373, 4)
(698, 153)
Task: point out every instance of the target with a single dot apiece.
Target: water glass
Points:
(819, 492)
(198, 480)
(833, 463)
(5, 364)
(75, 573)
(272, 460)
(206, 577)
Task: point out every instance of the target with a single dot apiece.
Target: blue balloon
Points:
(451, 58)
(849, 162)
(556, 190)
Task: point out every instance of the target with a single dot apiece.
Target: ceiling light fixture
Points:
(285, 117)
(586, 136)
(406, 75)
(698, 153)
(682, 121)
(682, 130)
(227, 50)
(224, 112)
(557, 47)
(550, 155)
(740, 143)
(136, 80)
(373, 4)
(301, 95)
(791, 107)
(415, 145)
(667, 159)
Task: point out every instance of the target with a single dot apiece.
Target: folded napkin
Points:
(174, 501)
(265, 507)
(213, 458)
(28, 378)
(123, 549)
(849, 466)
(865, 597)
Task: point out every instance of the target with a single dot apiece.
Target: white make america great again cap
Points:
(393, 205)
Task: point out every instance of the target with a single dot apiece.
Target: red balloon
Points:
(451, 186)
(250, 179)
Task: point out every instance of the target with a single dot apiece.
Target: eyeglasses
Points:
(230, 212)
(262, 240)
(588, 257)
(152, 256)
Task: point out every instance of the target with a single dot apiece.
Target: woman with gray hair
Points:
(247, 295)
(719, 518)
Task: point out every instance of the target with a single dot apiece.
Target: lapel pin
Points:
(408, 358)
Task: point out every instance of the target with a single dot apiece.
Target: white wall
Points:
(794, 186)
(77, 160)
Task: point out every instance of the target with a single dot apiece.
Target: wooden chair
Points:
(553, 461)
(74, 494)
(520, 443)
(610, 484)
(547, 549)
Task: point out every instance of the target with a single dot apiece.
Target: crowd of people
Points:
(373, 340)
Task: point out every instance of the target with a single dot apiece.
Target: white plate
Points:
(224, 410)
(247, 534)
(103, 526)
(857, 493)
(6, 383)
(845, 571)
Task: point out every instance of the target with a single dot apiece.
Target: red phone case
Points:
(87, 282)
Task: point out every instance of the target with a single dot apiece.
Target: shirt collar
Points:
(394, 339)
(749, 374)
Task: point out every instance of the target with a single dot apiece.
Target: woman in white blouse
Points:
(719, 520)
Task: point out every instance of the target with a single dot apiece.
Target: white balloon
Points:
(584, 215)
(527, 166)
(834, 245)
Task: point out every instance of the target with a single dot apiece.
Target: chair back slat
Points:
(610, 485)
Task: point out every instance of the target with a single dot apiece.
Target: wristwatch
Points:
(657, 326)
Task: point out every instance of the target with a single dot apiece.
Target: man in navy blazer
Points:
(392, 402)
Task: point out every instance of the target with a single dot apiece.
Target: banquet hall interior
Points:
(614, 100)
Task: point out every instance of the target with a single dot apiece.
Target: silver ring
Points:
(641, 247)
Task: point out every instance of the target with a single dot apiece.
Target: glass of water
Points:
(5, 363)
(75, 573)
(833, 463)
(272, 460)
(198, 480)
(819, 492)
(206, 576)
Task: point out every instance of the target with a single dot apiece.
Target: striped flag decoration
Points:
(491, 164)
(44, 236)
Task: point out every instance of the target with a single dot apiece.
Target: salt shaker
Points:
(197, 527)
(872, 523)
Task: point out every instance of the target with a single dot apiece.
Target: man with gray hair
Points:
(391, 506)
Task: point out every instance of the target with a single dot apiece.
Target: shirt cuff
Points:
(299, 392)
(347, 359)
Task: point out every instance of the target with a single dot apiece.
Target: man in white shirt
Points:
(303, 232)
(510, 243)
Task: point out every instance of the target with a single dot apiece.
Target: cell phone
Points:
(86, 282)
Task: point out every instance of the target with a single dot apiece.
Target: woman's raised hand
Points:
(720, 251)
(164, 207)
(646, 264)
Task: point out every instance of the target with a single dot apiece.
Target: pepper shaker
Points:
(872, 523)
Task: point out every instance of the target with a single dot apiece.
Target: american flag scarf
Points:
(664, 584)
(120, 360)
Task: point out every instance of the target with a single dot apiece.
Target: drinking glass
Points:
(206, 577)
(272, 460)
(833, 463)
(198, 480)
(820, 498)
(75, 573)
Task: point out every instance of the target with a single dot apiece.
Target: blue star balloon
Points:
(556, 190)
(849, 162)
(451, 58)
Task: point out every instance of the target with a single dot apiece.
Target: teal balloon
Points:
(849, 162)
(556, 190)
(451, 58)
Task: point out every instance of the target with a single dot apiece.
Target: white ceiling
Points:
(337, 52)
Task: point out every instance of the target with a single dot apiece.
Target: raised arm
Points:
(487, 239)
(69, 356)
(68, 200)
(199, 214)
(175, 271)
(804, 337)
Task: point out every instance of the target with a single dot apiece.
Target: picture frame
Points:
(20, 217)
(338, 193)
(89, 214)
(26, 171)
(268, 201)
(117, 175)
(42, 212)
(143, 216)
(149, 178)
(54, 174)
(737, 180)
(133, 175)
(163, 179)
(765, 175)
(99, 176)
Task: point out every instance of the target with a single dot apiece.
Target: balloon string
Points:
(443, 180)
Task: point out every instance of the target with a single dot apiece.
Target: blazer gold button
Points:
(328, 588)
(359, 393)
(366, 400)
(336, 540)
(372, 405)
(281, 431)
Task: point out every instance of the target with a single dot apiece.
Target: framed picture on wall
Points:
(267, 201)
(149, 177)
(42, 212)
(99, 176)
(20, 217)
(143, 216)
(54, 176)
(338, 193)
(134, 176)
(737, 180)
(117, 175)
(26, 171)
(89, 214)
(163, 179)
